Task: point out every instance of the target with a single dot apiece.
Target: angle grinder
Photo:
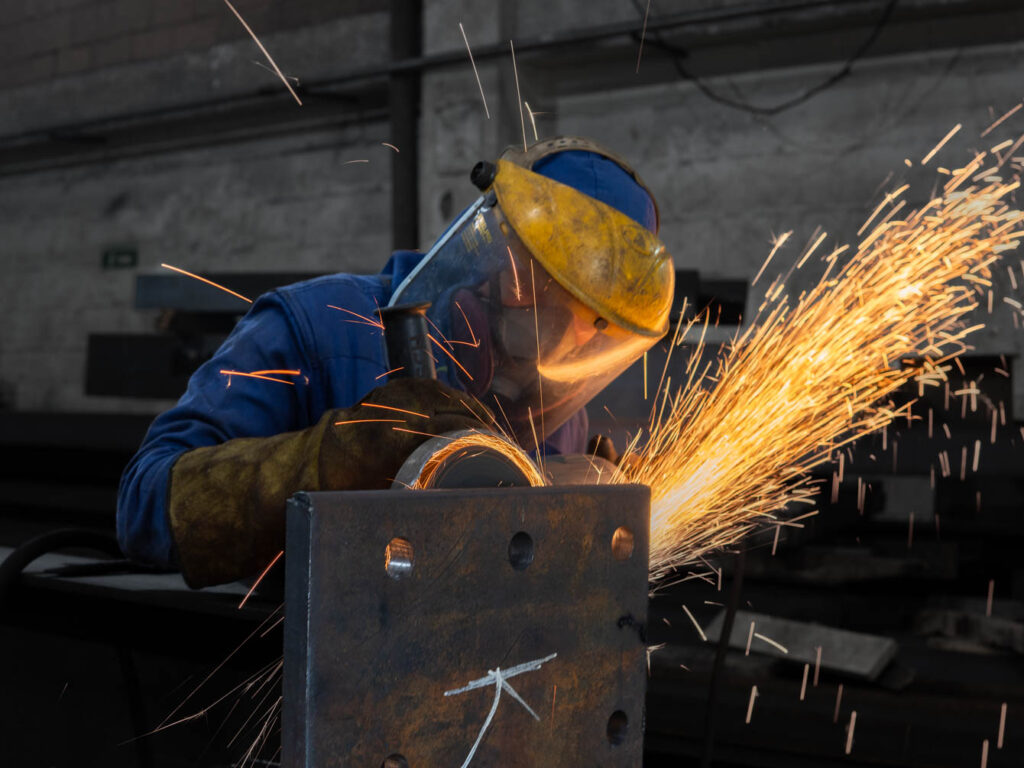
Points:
(468, 458)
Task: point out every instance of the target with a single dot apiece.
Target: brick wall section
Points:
(44, 39)
(280, 204)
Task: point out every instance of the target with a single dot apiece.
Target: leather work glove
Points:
(227, 501)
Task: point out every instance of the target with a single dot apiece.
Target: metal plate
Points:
(368, 657)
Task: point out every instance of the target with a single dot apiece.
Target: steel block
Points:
(394, 598)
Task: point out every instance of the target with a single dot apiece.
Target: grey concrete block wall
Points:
(286, 203)
(212, 71)
(276, 205)
(726, 180)
(40, 40)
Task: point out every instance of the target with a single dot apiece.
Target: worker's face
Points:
(568, 324)
(515, 338)
(540, 353)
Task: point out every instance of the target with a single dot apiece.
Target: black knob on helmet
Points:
(483, 174)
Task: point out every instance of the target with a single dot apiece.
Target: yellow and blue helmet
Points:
(551, 284)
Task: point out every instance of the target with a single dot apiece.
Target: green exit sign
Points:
(120, 258)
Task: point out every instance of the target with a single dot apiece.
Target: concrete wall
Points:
(726, 179)
(210, 71)
(274, 203)
(43, 39)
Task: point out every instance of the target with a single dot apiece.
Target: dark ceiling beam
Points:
(721, 41)
(242, 122)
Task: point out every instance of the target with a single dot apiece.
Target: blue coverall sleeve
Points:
(215, 408)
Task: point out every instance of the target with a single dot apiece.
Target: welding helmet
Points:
(548, 286)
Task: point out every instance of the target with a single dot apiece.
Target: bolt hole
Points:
(520, 551)
(618, 725)
(622, 543)
(395, 761)
(398, 562)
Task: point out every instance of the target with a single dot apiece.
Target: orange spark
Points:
(388, 373)
(475, 342)
(258, 580)
(940, 145)
(451, 344)
(266, 53)
(809, 251)
(208, 282)
(885, 201)
(398, 410)
(735, 444)
(364, 318)
(992, 127)
(370, 421)
(415, 432)
(645, 375)
(257, 376)
(475, 73)
(643, 34)
(773, 643)
(533, 123)
(515, 273)
(779, 242)
(441, 347)
(703, 637)
(540, 375)
(474, 442)
(519, 98)
(165, 724)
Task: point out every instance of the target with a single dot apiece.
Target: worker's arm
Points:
(215, 408)
(226, 503)
(206, 491)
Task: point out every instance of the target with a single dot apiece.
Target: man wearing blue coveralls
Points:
(541, 292)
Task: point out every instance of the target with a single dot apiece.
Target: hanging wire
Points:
(679, 53)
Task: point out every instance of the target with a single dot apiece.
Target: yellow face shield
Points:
(541, 295)
(612, 264)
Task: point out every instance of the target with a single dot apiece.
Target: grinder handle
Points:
(405, 336)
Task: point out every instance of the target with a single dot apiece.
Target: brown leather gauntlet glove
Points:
(227, 502)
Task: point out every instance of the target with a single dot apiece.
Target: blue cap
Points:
(603, 179)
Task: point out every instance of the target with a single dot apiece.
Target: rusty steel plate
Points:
(394, 598)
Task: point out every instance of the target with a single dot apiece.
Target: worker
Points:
(540, 293)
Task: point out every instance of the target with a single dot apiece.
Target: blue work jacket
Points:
(311, 327)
